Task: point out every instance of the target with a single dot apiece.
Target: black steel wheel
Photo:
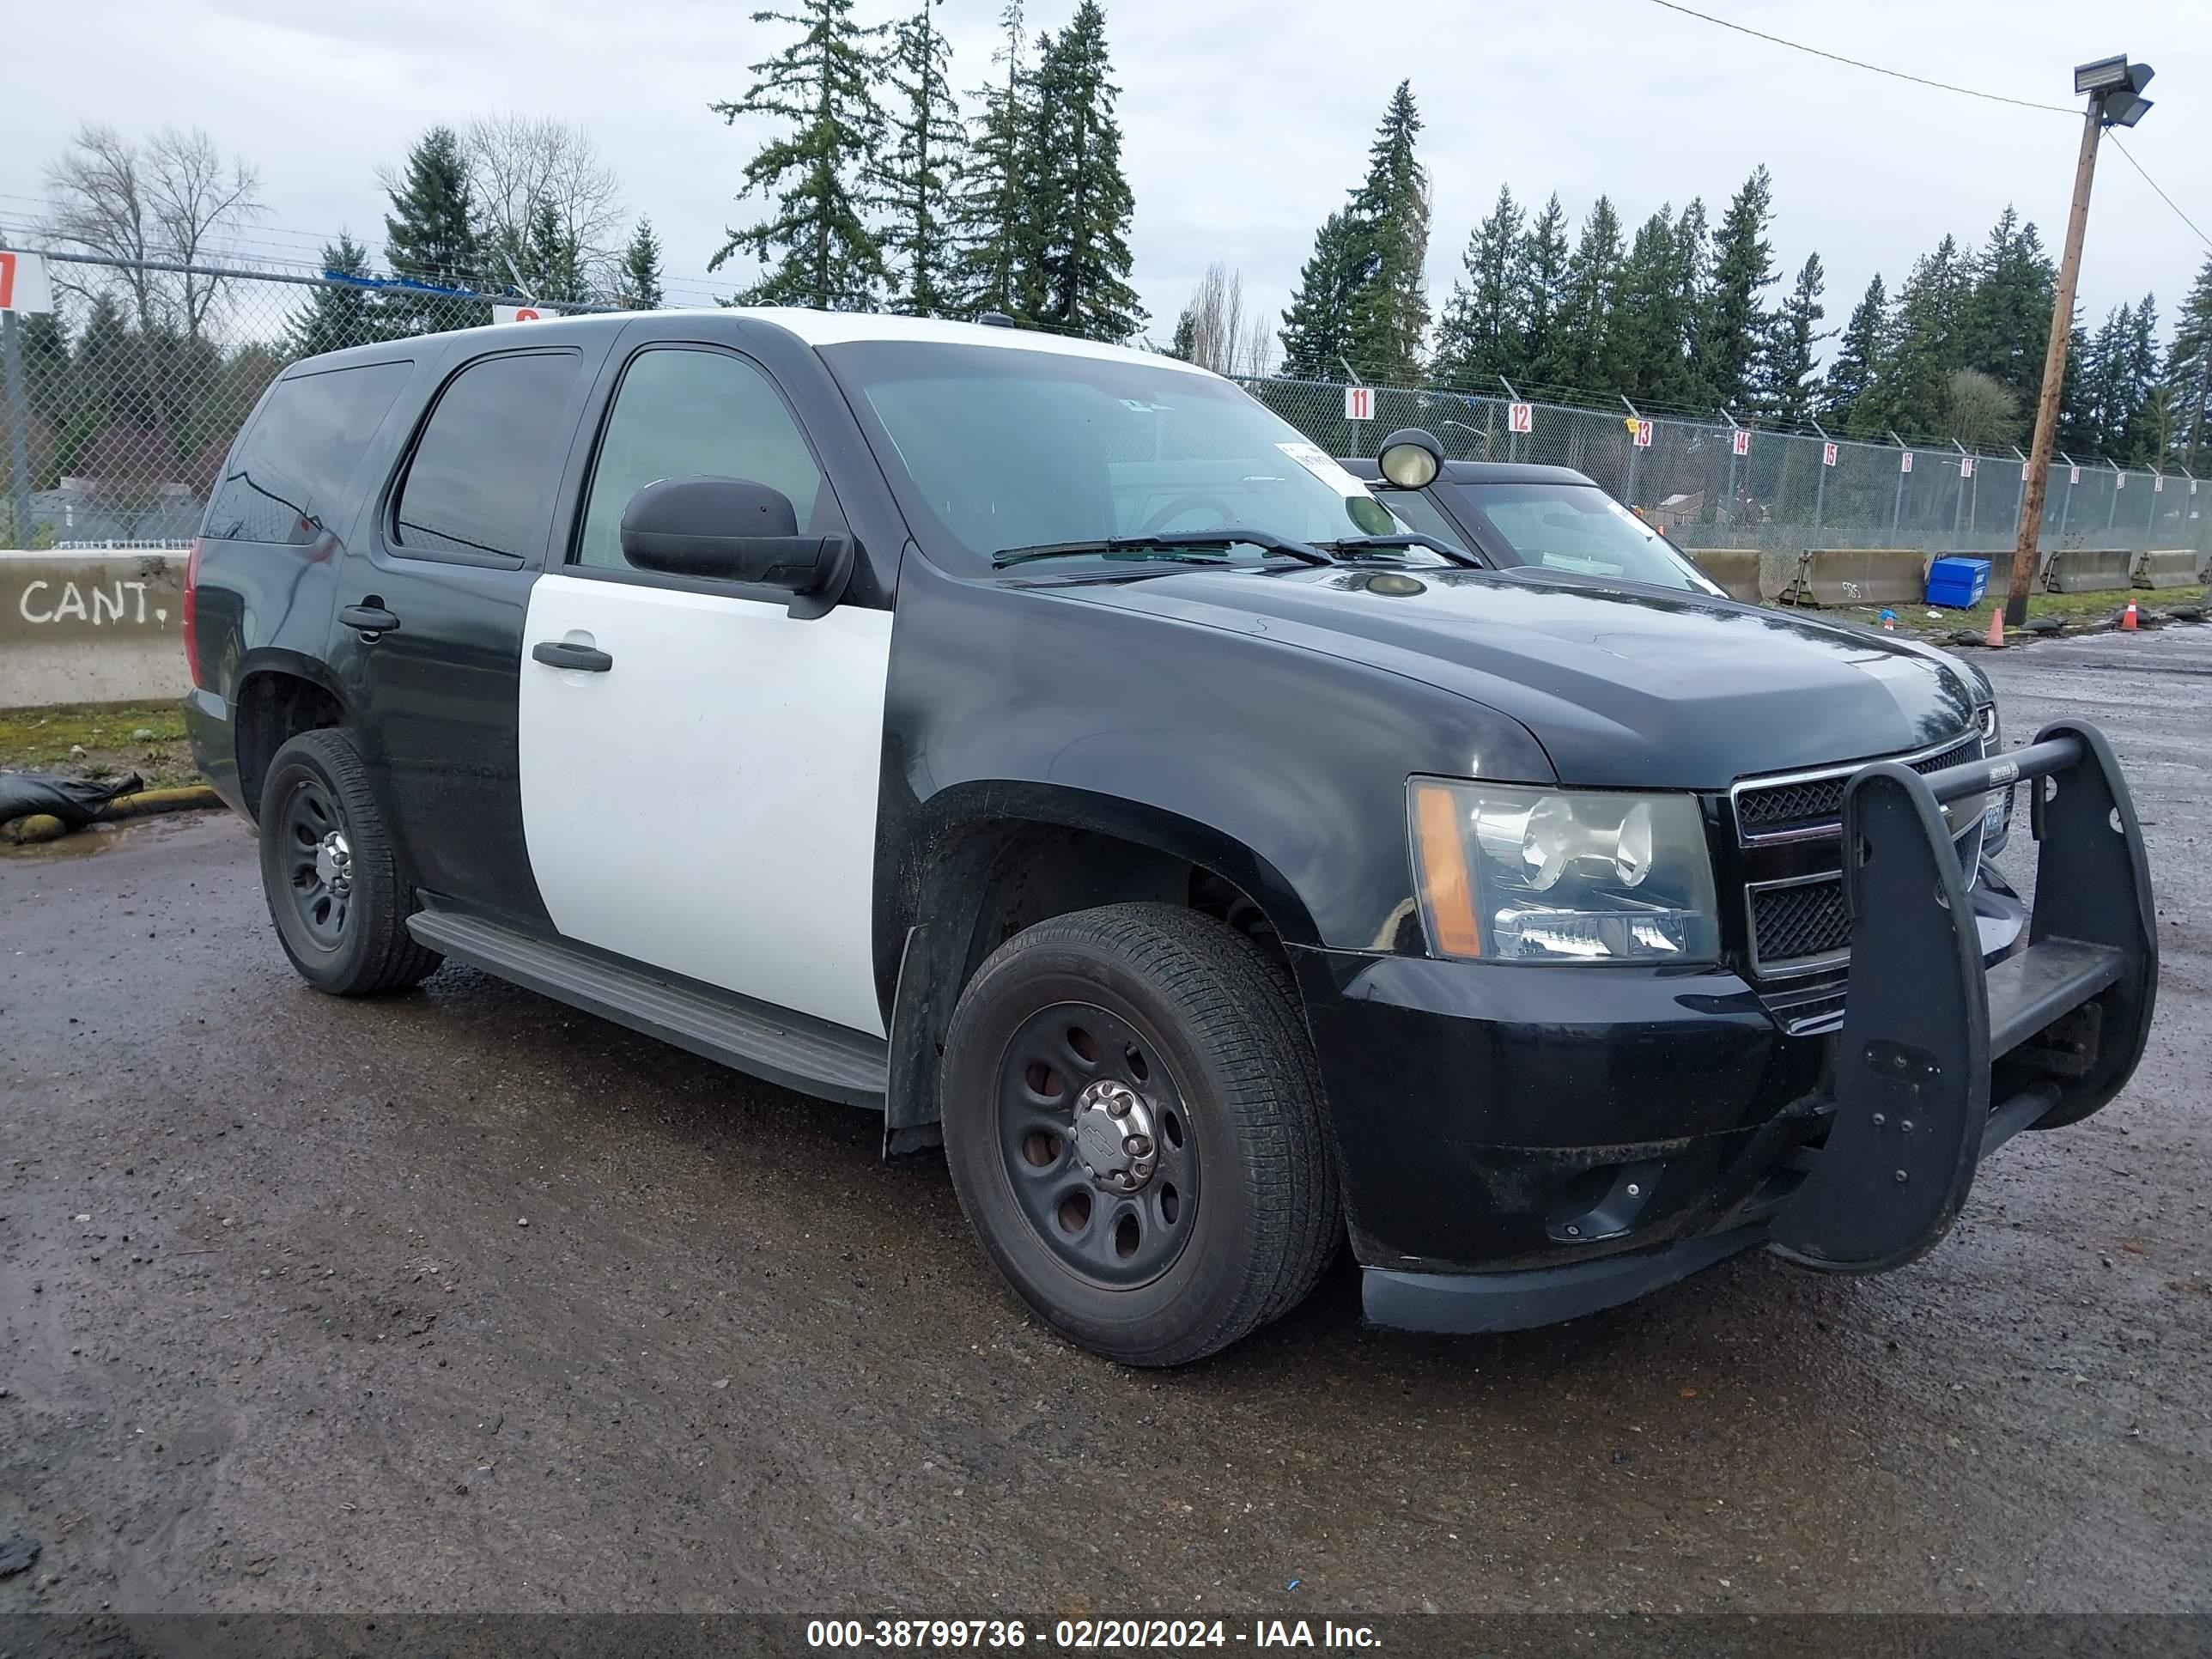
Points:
(329, 873)
(1134, 1124)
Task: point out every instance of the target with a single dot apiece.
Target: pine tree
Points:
(2104, 404)
(1485, 328)
(993, 225)
(816, 243)
(2189, 369)
(1733, 328)
(1185, 342)
(2147, 426)
(1693, 270)
(1390, 307)
(637, 282)
(1584, 352)
(1859, 356)
(2005, 322)
(1083, 204)
(1316, 331)
(337, 317)
(1911, 387)
(548, 268)
(1653, 319)
(1543, 291)
(1782, 385)
(429, 235)
(920, 172)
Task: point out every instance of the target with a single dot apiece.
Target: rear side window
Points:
(482, 478)
(287, 479)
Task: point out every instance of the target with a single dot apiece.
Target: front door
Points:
(699, 769)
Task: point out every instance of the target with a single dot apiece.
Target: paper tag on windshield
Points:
(1317, 461)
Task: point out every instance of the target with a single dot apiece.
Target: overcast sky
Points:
(1245, 121)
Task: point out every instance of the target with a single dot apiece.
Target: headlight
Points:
(1518, 874)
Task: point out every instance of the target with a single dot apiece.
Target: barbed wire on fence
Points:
(123, 419)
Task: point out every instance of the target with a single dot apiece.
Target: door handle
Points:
(367, 619)
(562, 653)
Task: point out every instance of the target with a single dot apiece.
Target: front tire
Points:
(329, 873)
(1133, 1123)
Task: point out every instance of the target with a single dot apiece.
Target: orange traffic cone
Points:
(1995, 640)
(2128, 622)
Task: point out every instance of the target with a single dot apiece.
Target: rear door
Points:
(427, 637)
(704, 801)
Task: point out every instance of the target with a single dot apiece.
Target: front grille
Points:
(1800, 804)
(1808, 918)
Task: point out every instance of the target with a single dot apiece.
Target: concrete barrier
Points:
(1736, 569)
(91, 627)
(2090, 569)
(2170, 567)
(1858, 575)
(2001, 574)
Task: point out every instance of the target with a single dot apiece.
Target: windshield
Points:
(992, 450)
(1575, 528)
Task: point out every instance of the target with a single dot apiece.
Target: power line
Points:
(1856, 63)
(2162, 196)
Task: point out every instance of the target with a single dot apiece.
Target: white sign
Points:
(2158, 483)
(2120, 481)
(1644, 430)
(2073, 475)
(2192, 486)
(1359, 402)
(2025, 469)
(23, 283)
(1521, 417)
(1966, 466)
(1827, 454)
(521, 314)
(1740, 441)
(1904, 461)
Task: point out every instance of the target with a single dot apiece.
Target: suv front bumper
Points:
(1522, 1144)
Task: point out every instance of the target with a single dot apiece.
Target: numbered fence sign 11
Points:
(1359, 402)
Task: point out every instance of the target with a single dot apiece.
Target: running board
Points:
(809, 1056)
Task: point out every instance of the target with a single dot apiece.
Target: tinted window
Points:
(286, 481)
(483, 475)
(1577, 528)
(684, 414)
(1421, 514)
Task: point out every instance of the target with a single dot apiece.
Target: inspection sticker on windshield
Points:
(1317, 461)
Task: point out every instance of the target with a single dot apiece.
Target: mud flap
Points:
(1930, 1036)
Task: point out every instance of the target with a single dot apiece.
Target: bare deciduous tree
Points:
(170, 199)
(520, 165)
(1216, 332)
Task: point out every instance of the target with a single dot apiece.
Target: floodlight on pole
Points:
(2113, 87)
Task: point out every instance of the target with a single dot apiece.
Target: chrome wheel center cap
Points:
(334, 861)
(1114, 1137)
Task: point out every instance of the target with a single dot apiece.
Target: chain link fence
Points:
(1714, 484)
(121, 405)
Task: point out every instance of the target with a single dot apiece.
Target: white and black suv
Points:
(1043, 743)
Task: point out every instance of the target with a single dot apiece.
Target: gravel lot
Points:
(463, 1301)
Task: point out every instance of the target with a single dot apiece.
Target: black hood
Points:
(1624, 686)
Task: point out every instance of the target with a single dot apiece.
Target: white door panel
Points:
(707, 805)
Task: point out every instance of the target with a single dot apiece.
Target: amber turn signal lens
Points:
(1447, 895)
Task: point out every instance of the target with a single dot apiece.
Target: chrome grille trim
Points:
(1824, 824)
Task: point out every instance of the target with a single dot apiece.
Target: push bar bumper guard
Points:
(1941, 1060)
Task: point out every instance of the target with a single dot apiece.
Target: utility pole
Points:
(2114, 88)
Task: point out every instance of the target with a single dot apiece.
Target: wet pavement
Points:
(462, 1300)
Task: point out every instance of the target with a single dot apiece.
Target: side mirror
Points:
(733, 530)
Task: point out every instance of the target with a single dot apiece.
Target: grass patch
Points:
(2074, 609)
(47, 739)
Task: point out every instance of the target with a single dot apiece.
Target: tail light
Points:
(190, 613)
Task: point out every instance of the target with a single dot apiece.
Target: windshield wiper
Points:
(1194, 541)
(1352, 545)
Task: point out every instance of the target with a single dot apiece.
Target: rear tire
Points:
(329, 874)
(1157, 1028)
